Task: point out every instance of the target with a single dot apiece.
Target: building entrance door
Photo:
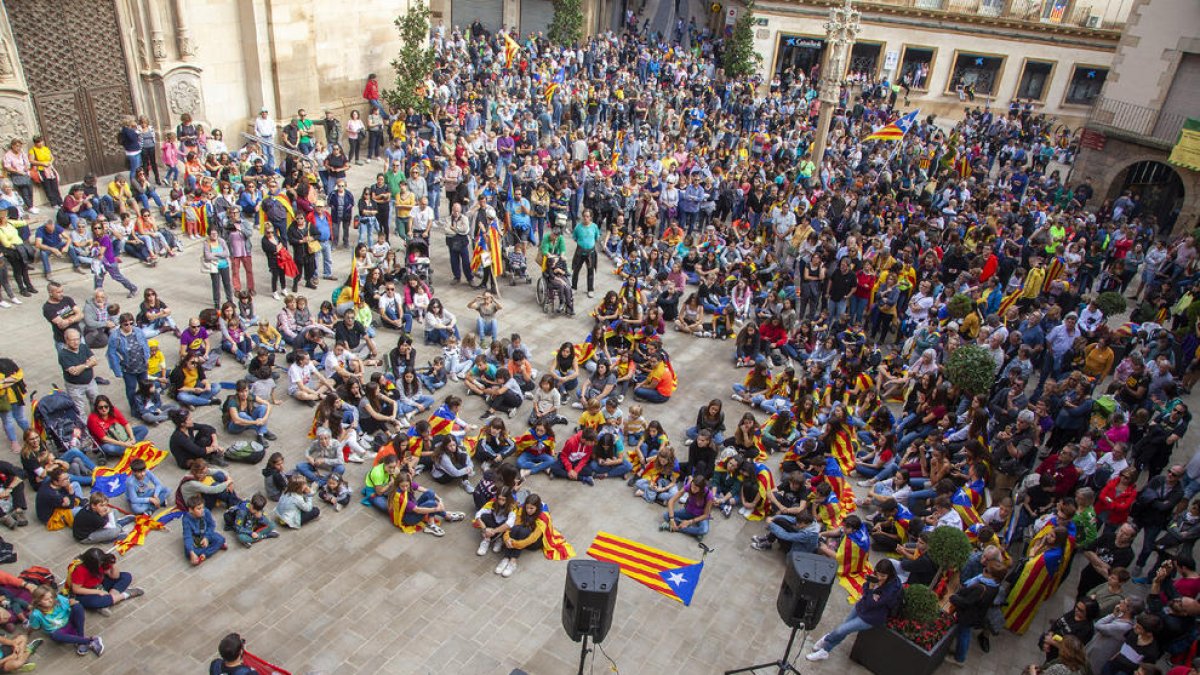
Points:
(75, 67)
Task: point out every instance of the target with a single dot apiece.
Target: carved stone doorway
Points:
(74, 64)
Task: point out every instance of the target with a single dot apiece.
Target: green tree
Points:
(414, 63)
(567, 26)
(972, 369)
(740, 59)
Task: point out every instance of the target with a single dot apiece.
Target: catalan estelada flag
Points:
(896, 130)
(442, 421)
(853, 563)
(673, 576)
(143, 524)
(965, 507)
(1034, 584)
(554, 545)
(110, 480)
(1056, 270)
(841, 487)
(904, 519)
(843, 451)
(555, 83)
(352, 281)
(766, 485)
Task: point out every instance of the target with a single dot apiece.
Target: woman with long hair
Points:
(533, 526)
(413, 508)
(111, 430)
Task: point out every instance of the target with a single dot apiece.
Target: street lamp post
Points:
(840, 33)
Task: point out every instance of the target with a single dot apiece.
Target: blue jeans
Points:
(851, 625)
(650, 395)
(189, 398)
(651, 496)
(76, 455)
(698, 530)
(368, 227)
(15, 423)
(164, 497)
(310, 472)
(215, 542)
(427, 499)
(614, 471)
(962, 643)
(837, 308)
(535, 463)
(881, 473)
(146, 197)
(803, 540)
(421, 399)
(114, 450)
(485, 327)
(858, 307)
(259, 411)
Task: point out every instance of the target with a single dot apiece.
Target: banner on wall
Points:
(1186, 152)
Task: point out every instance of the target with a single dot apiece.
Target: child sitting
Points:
(517, 261)
(436, 376)
(274, 479)
(201, 540)
(381, 247)
(62, 620)
(335, 492)
(295, 508)
(249, 523)
(145, 492)
(495, 518)
(269, 337)
(635, 426)
(245, 308)
(592, 417)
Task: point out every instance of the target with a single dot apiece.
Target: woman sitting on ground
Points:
(533, 526)
(451, 463)
(537, 450)
(659, 479)
(111, 430)
(413, 508)
(495, 518)
(95, 582)
(608, 457)
(695, 516)
(494, 444)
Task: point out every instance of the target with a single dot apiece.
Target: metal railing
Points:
(1135, 119)
(1031, 11)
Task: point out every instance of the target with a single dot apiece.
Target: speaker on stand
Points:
(807, 581)
(589, 598)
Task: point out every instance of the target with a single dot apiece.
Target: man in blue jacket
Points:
(129, 357)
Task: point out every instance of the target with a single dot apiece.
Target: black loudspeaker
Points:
(805, 589)
(589, 598)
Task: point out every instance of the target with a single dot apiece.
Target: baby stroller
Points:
(516, 262)
(61, 426)
(416, 258)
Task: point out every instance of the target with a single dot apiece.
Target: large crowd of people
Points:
(840, 283)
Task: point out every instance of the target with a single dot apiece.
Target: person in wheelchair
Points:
(558, 281)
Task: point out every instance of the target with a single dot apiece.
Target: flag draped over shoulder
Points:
(843, 451)
(673, 576)
(554, 545)
(489, 250)
(841, 487)
(853, 563)
(766, 485)
(442, 421)
(555, 83)
(1010, 299)
(896, 130)
(1034, 584)
(965, 507)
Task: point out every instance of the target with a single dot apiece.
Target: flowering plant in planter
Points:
(921, 620)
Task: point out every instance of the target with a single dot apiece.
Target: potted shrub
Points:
(971, 369)
(1112, 303)
(914, 643)
(949, 549)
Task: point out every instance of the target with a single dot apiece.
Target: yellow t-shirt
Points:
(190, 376)
(1033, 283)
(156, 363)
(591, 420)
(405, 204)
(399, 129)
(41, 154)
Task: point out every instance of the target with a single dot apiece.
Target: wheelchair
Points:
(550, 300)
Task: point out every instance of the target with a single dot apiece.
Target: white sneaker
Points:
(4, 304)
(33, 210)
(496, 547)
(865, 483)
(743, 512)
(820, 644)
(467, 487)
(502, 566)
(818, 655)
(512, 567)
(483, 547)
(577, 405)
(16, 301)
(275, 295)
(355, 458)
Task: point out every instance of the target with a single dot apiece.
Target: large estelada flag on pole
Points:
(896, 130)
(673, 576)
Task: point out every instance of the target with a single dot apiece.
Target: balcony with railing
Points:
(1149, 125)
(1034, 14)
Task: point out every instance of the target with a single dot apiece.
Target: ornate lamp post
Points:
(840, 33)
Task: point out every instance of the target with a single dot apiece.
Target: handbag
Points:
(27, 252)
(20, 180)
(314, 246)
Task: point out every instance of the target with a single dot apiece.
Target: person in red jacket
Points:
(1061, 466)
(371, 93)
(773, 333)
(1116, 498)
(575, 457)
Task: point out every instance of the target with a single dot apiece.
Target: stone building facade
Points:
(70, 69)
(1055, 53)
(1154, 88)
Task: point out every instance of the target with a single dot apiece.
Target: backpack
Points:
(39, 576)
(246, 452)
(231, 514)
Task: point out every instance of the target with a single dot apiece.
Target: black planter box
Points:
(883, 651)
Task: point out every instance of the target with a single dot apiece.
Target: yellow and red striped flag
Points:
(144, 451)
(666, 573)
(895, 130)
(143, 524)
(511, 48)
(853, 564)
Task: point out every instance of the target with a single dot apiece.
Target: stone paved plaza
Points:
(351, 594)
